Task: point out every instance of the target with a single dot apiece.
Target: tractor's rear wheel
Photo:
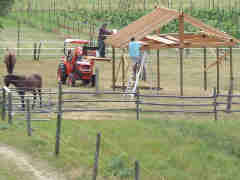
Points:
(71, 80)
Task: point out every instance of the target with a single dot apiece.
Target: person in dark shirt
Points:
(101, 37)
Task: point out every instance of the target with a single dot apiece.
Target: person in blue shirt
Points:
(134, 49)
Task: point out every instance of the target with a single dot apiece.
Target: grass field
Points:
(168, 146)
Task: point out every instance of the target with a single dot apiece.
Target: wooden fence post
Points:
(59, 119)
(9, 108)
(29, 126)
(215, 103)
(39, 50)
(229, 98)
(137, 170)
(35, 51)
(4, 104)
(97, 80)
(95, 168)
(18, 37)
(137, 103)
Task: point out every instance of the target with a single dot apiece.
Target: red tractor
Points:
(76, 64)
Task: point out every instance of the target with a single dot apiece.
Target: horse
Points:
(31, 83)
(10, 61)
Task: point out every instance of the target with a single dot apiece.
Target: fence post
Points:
(29, 126)
(96, 80)
(215, 103)
(229, 98)
(39, 50)
(35, 51)
(18, 37)
(137, 170)
(4, 104)
(59, 119)
(95, 168)
(137, 103)
(9, 108)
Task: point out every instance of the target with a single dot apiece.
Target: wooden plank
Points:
(97, 58)
(172, 38)
(146, 30)
(139, 29)
(208, 29)
(160, 39)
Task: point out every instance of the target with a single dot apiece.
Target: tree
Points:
(5, 8)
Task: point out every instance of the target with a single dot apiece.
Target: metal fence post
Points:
(4, 104)
(9, 108)
(95, 168)
(59, 119)
(29, 126)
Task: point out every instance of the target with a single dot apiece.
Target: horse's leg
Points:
(34, 98)
(40, 97)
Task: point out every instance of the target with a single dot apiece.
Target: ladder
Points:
(133, 82)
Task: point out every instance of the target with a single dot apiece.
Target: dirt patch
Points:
(37, 170)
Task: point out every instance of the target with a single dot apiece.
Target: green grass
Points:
(175, 146)
(175, 149)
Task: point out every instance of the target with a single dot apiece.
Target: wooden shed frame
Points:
(143, 29)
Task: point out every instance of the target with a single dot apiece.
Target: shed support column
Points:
(123, 72)
(205, 68)
(181, 70)
(158, 70)
(218, 72)
(231, 66)
(113, 69)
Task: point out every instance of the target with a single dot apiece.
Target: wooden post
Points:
(218, 73)
(137, 103)
(18, 38)
(215, 103)
(181, 34)
(59, 119)
(137, 177)
(97, 80)
(158, 70)
(231, 65)
(123, 72)
(95, 168)
(29, 127)
(181, 71)
(4, 104)
(9, 108)
(205, 68)
(113, 69)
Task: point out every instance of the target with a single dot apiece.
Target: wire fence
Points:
(68, 100)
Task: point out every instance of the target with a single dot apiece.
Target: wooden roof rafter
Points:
(140, 29)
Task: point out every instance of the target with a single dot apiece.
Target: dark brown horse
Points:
(10, 61)
(32, 83)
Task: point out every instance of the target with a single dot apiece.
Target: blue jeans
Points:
(101, 48)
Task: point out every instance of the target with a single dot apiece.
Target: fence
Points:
(141, 103)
